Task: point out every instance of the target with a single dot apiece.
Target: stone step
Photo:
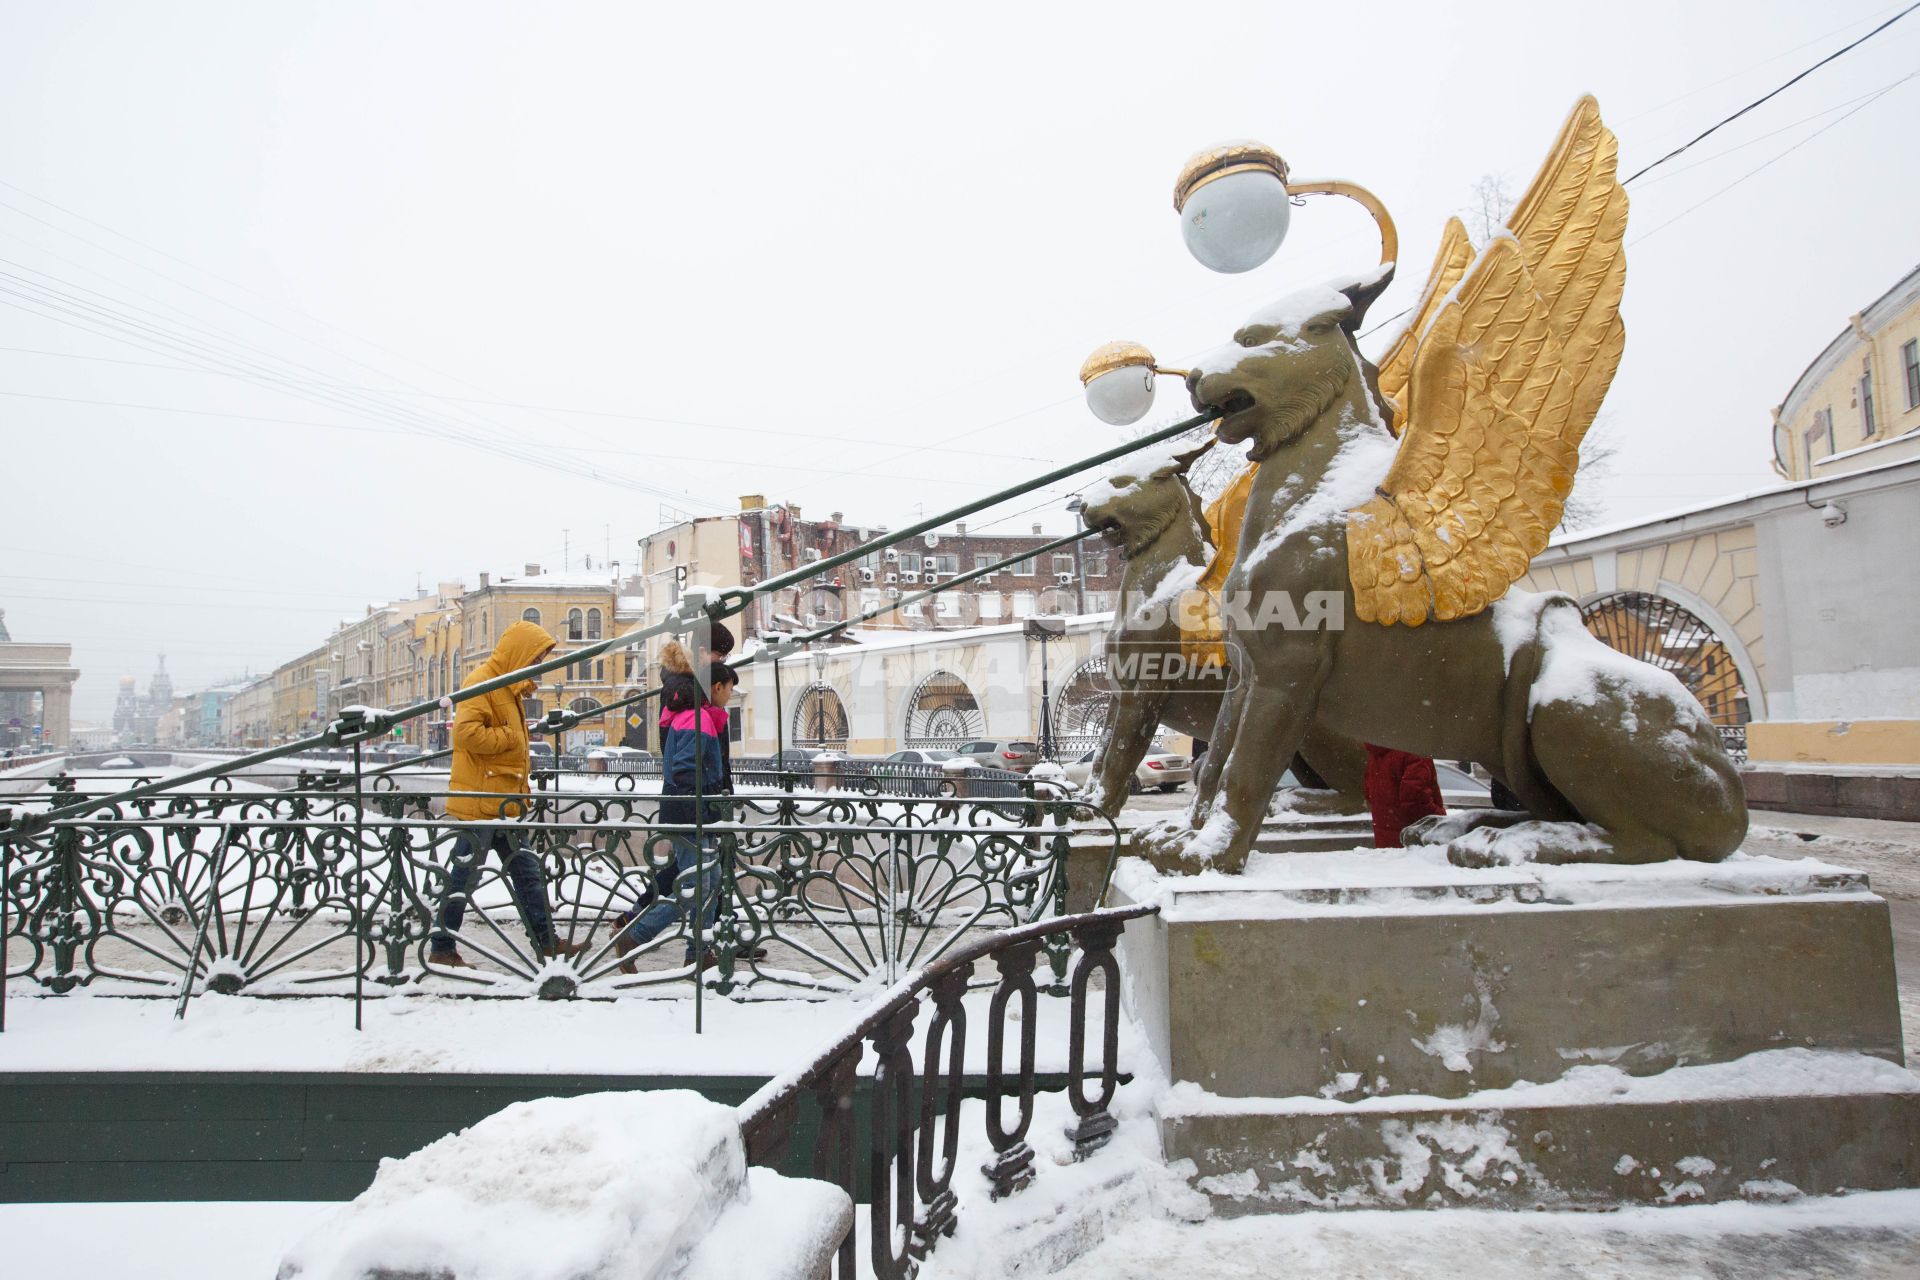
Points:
(1774, 1126)
(1368, 974)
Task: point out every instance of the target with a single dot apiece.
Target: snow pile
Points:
(604, 1185)
(1421, 879)
(1771, 1073)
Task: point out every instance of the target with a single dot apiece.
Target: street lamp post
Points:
(1043, 630)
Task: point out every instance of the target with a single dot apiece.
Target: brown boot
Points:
(448, 959)
(557, 949)
(623, 945)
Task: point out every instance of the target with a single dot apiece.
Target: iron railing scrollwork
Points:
(914, 1144)
(323, 891)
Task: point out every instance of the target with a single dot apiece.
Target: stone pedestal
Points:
(1379, 1028)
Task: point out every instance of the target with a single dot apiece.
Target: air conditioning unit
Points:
(932, 579)
(1064, 579)
(893, 577)
(866, 575)
(910, 576)
(813, 553)
(892, 555)
(812, 619)
(893, 593)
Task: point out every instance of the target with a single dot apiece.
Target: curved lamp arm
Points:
(1389, 235)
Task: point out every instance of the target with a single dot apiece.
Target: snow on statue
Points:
(1493, 385)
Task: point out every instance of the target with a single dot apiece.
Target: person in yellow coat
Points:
(491, 764)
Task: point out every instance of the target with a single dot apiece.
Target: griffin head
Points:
(1286, 364)
(1142, 498)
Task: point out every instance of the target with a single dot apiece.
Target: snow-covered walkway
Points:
(1874, 1235)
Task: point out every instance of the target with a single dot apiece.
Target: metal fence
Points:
(323, 891)
(911, 1149)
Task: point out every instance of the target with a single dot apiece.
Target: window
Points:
(576, 625)
(943, 564)
(1097, 565)
(593, 624)
(530, 615)
(946, 605)
(1866, 399)
(1910, 356)
(1098, 602)
(1063, 564)
(1819, 437)
(1024, 568)
(910, 561)
(600, 671)
(1023, 604)
(981, 561)
(990, 606)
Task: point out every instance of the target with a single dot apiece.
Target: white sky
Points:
(846, 257)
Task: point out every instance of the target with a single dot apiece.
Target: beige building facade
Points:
(1858, 404)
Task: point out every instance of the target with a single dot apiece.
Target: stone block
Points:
(1287, 986)
(1862, 1136)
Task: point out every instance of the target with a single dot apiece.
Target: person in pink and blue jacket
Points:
(696, 771)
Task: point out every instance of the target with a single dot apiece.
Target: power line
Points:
(1773, 93)
(1756, 141)
(1775, 160)
(127, 326)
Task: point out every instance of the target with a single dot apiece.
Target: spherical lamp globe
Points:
(1118, 378)
(1234, 207)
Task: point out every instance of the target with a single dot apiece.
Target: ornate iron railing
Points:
(249, 876)
(317, 891)
(913, 1144)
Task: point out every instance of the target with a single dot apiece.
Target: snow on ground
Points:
(1874, 1236)
(1421, 878)
(80, 1032)
(203, 1240)
(607, 1184)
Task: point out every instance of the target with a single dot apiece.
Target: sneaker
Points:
(447, 959)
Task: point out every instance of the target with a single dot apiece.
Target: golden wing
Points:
(1225, 513)
(1450, 263)
(1503, 384)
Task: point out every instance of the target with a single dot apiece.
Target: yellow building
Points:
(301, 695)
(1858, 404)
(578, 608)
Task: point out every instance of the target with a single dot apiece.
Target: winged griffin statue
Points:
(1414, 494)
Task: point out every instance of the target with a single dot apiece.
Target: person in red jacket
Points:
(1401, 789)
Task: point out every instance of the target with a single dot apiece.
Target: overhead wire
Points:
(1768, 96)
(1655, 230)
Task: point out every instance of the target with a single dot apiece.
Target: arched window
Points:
(1080, 712)
(1660, 632)
(584, 706)
(942, 713)
(593, 624)
(530, 615)
(576, 625)
(819, 719)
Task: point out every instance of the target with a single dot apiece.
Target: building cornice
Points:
(1904, 293)
(1735, 510)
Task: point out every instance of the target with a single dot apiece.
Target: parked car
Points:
(1161, 770)
(1015, 755)
(950, 763)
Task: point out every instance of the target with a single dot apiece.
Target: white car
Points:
(1161, 770)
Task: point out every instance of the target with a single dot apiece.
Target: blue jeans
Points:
(529, 887)
(666, 910)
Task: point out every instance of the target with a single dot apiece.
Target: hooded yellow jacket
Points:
(490, 732)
